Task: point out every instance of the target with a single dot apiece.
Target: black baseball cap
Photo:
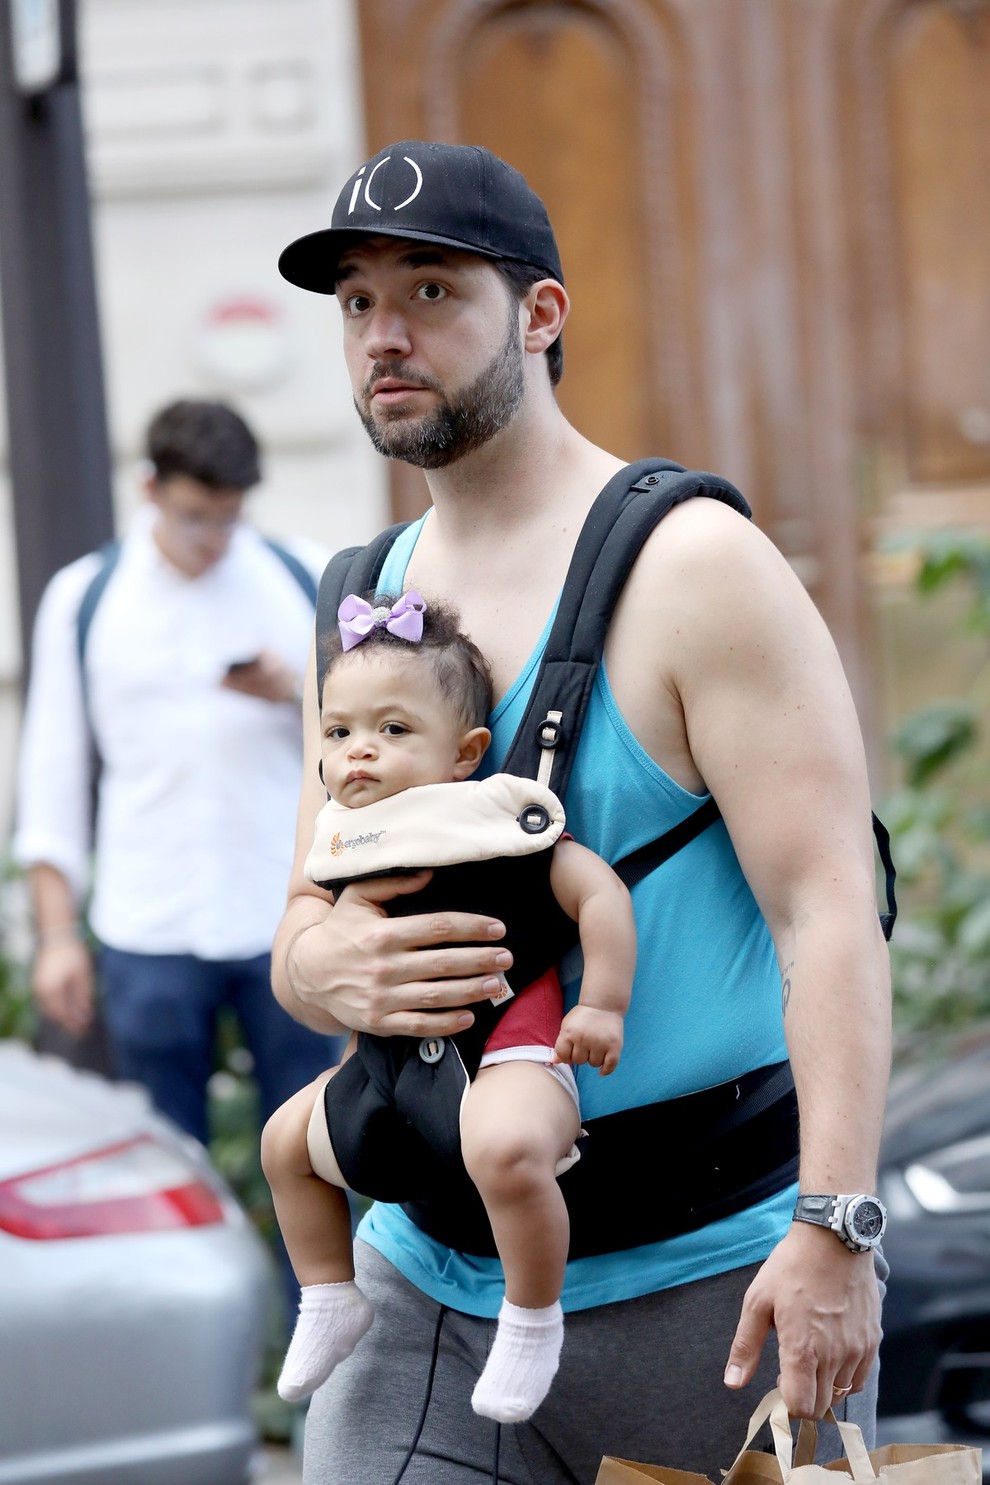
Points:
(459, 195)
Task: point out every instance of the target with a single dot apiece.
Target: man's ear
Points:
(471, 751)
(546, 307)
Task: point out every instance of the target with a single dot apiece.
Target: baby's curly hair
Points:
(460, 669)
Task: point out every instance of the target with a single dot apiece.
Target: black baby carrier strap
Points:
(721, 1149)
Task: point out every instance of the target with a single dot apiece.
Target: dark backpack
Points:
(722, 1149)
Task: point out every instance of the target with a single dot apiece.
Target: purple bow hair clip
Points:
(356, 618)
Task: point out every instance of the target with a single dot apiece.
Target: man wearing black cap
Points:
(719, 677)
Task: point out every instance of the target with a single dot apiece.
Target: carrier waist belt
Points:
(655, 1172)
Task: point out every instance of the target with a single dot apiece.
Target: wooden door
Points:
(774, 224)
(914, 81)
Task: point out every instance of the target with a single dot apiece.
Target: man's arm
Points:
(54, 802)
(772, 730)
(348, 965)
(62, 976)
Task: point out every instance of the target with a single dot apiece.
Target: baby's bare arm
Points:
(590, 892)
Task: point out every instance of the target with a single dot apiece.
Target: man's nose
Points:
(389, 334)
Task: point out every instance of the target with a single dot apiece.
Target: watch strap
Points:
(829, 1211)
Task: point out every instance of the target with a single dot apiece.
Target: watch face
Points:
(866, 1221)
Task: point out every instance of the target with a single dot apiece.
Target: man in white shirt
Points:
(185, 680)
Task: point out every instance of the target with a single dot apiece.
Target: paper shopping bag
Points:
(894, 1464)
(614, 1471)
(750, 1467)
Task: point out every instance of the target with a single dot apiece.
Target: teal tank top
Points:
(705, 1007)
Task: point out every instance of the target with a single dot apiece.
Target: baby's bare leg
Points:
(315, 1220)
(314, 1216)
(518, 1122)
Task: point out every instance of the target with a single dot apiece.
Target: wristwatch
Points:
(860, 1221)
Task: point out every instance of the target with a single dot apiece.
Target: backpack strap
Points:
(298, 569)
(353, 570)
(629, 507)
(109, 554)
(882, 837)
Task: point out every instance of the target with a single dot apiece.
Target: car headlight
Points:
(137, 1185)
(954, 1179)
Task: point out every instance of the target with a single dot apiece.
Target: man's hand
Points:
(590, 1035)
(824, 1303)
(267, 677)
(389, 976)
(63, 984)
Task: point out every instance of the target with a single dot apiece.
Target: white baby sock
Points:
(522, 1363)
(332, 1319)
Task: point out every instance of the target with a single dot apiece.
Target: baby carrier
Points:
(726, 1147)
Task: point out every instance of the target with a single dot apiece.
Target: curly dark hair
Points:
(460, 669)
(206, 441)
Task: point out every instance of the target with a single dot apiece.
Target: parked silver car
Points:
(133, 1291)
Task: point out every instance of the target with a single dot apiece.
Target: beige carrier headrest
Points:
(435, 825)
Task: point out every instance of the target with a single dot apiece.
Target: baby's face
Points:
(386, 727)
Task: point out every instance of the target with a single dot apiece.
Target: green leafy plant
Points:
(17, 1015)
(939, 820)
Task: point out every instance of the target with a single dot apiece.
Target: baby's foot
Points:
(332, 1319)
(522, 1363)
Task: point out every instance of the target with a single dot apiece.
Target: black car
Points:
(935, 1181)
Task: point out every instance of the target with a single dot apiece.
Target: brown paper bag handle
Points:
(852, 1442)
(773, 1408)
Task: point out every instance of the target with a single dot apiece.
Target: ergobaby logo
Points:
(415, 180)
(339, 845)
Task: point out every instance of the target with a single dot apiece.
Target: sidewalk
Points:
(280, 1467)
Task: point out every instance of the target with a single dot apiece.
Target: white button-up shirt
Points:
(198, 785)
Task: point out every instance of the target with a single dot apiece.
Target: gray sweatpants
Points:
(641, 1379)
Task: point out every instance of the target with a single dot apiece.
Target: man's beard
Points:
(458, 425)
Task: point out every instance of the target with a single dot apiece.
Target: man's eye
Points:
(357, 304)
(431, 291)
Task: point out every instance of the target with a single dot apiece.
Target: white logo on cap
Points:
(376, 205)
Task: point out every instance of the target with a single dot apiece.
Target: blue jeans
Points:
(161, 1015)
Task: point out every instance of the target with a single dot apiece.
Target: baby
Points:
(403, 714)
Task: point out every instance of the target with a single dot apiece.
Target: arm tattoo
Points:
(785, 989)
